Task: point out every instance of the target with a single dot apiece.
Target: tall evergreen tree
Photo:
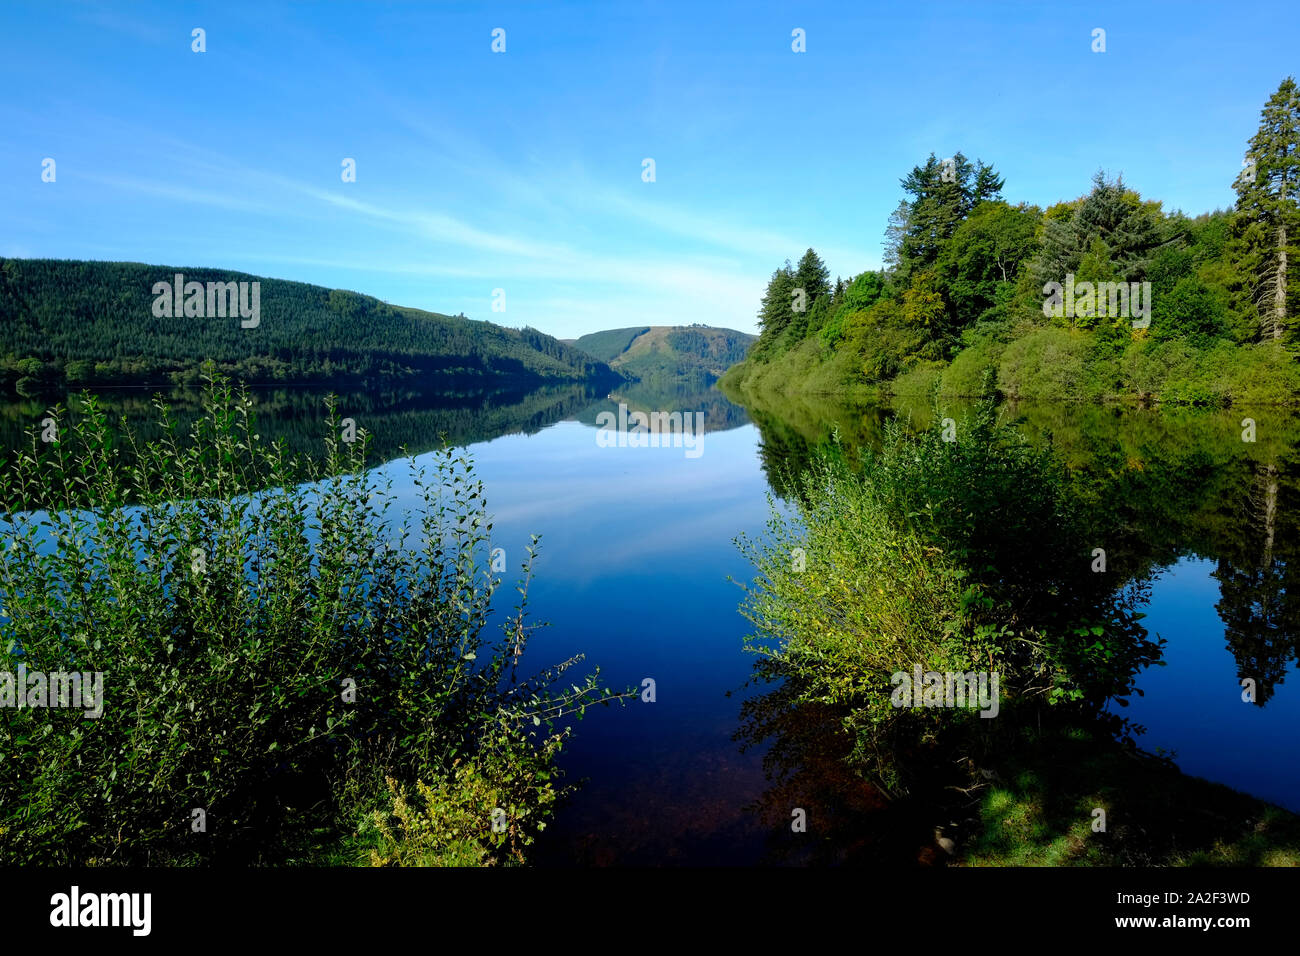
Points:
(776, 310)
(1127, 228)
(812, 276)
(810, 295)
(894, 233)
(943, 192)
(987, 186)
(1269, 218)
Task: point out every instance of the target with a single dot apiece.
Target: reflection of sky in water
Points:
(1193, 704)
(635, 553)
(637, 544)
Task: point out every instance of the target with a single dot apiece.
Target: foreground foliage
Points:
(269, 659)
(965, 555)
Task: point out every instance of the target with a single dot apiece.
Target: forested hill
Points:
(74, 323)
(658, 354)
(1107, 296)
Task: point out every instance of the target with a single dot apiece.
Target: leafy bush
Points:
(922, 379)
(1223, 374)
(1260, 374)
(443, 823)
(1046, 364)
(1189, 310)
(257, 647)
(966, 376)
(966, 555)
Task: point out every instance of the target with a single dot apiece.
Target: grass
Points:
(1038, 810)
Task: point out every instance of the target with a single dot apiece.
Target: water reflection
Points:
(805, 751)
(1171, 490)
(1259, 598)
(403, 421)
(720, 413)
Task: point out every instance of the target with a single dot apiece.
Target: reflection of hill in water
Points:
(720, 414)
(416, 420)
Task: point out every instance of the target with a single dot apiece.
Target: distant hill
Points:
(659, 354)
(74, 323)
(607, 346)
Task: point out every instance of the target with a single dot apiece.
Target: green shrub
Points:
(1148, 365)
(966, 556)
(1189, 310)
(1049, 364)
(965, 377)
(1262, 374)
(443, 823)
(256, 647)
(922, 379)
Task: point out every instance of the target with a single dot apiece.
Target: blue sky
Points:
(523, 170)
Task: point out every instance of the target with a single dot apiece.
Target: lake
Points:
(638, 565)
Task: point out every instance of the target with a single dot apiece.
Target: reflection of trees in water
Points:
(1259, 598)
(809, 764)
(848, 819)
(786, 449)
(720, 414)
(818, 762)
(413, 418)
(1163, 484)
(783, 454)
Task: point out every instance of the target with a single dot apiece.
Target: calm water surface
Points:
(637, 548)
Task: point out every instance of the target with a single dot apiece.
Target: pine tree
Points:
(812, 276)
(1111, 213)
(943, 194)
(894, 233)
(987, 186)
(811, 286)
(1269, 218)
(776, 310)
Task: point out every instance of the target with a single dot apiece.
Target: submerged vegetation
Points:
(1103, 297)
(288, 675)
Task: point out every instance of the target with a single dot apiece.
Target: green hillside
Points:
(75, 323)
(669, 354)
(607, 346)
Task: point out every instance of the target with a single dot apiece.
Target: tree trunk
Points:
(1270, 512)
(1279, 285)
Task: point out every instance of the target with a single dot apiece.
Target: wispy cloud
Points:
(621, 258)
(180, 193)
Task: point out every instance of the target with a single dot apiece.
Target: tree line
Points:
(967, 277)
(76, 323)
